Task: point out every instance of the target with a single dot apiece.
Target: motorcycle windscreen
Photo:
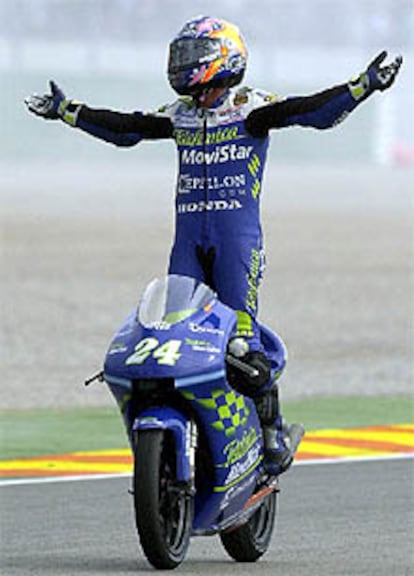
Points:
(172, 299)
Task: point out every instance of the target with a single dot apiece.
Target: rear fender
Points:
(184, 433)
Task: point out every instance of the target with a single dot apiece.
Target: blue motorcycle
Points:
(197, 442)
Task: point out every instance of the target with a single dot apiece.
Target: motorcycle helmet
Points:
(207, 53)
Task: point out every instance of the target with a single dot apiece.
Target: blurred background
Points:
(113, 53)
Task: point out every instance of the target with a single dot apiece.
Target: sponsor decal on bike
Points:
(234, 491)
(239, 469)
(209, 206)
(237, 449)
(219, 155)
(117, 348)
(202, 346)
(205, 329)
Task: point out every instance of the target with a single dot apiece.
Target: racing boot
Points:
(280, 439)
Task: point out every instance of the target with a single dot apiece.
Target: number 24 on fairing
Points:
(166, 353)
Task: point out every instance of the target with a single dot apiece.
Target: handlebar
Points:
(242, 366)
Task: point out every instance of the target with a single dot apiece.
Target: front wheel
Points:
(163, 509)
(251, 540)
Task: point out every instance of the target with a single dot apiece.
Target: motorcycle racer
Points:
(221, 131)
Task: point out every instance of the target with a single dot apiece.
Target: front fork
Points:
(183, 429)
(184, 433)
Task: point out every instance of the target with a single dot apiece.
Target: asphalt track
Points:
(345, 519)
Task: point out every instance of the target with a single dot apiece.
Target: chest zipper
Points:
(205, 176)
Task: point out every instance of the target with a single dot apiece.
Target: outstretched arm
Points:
(119, 128)
(327, 108)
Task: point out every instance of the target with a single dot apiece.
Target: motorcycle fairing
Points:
(194, 345)
(232, 429)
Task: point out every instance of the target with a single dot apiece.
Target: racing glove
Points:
(375, 77)
(54, 106)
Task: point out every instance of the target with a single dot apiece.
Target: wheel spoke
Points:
(163, 510)
(173, 509)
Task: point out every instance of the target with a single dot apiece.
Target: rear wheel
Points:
(163, 510)
(251, 540)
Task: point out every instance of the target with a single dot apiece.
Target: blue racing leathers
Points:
(218, 234)
(222, 154)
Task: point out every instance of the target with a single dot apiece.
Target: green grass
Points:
(56, 431)
(350, 412)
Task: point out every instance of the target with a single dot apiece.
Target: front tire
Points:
(249, 542)
(163, 510)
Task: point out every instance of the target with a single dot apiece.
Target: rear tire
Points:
(163, 512)
(251, 540)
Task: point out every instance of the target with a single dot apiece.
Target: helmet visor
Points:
(191, 52)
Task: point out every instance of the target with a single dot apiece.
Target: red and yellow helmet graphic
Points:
(207, 52)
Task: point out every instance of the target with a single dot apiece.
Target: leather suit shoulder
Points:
(252, 98)
(180, 105)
